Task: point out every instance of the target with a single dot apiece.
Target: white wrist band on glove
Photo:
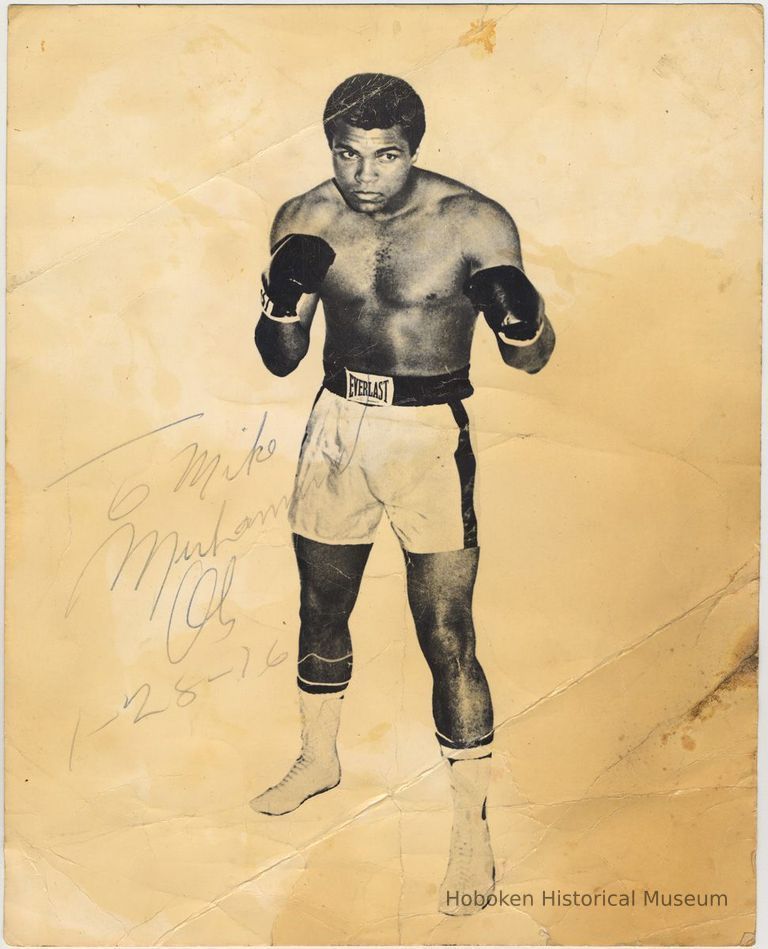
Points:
(267, 306)
(521, 342)
(280, 319)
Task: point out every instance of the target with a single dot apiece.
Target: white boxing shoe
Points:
(305, 779)
(317, 768)
(471, 875)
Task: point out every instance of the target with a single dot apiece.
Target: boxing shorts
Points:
(398, 445)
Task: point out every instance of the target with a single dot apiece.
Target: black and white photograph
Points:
(382, 474)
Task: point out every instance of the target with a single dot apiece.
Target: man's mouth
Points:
(367, 195)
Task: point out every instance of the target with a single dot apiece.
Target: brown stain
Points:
(744, 674)
(745, 646)
(42, 46)
(378, 732)
(482, 33)
(706, 708)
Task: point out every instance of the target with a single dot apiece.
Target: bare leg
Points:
(440, 590)
(330, 577)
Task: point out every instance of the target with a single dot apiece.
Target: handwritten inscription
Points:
(145, 701)
(200, 469)
(182, 580)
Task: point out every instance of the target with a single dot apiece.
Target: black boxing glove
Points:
(509, 302)
(299, 265)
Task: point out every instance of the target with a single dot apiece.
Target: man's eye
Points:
(346, 155)
(390, 156)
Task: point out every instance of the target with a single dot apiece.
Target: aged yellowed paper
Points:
(154, 706)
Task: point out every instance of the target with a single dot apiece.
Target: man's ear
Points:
(414, 156)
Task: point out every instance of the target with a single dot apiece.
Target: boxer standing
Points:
(403, 261)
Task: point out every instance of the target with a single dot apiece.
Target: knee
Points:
(449, 646)
(320, 610)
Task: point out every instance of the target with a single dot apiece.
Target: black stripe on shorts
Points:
(466, 466)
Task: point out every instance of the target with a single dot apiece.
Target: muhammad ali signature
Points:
(188, 578)
(203, 584)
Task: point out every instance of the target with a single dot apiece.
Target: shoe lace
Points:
(299, 765)
(461, 852)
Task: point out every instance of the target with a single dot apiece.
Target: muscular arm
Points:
(282, 346)
(493, 241)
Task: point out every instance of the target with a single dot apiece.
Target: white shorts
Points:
(414, 462)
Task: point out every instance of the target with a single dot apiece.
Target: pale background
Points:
(617, 490)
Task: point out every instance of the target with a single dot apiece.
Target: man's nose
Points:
(366, 171)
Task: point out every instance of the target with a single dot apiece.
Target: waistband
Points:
(371, 388)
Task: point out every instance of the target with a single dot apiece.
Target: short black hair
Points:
(373, 100)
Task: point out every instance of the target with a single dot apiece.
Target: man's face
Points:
(372, 166)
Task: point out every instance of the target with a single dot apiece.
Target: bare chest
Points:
(394, 265)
